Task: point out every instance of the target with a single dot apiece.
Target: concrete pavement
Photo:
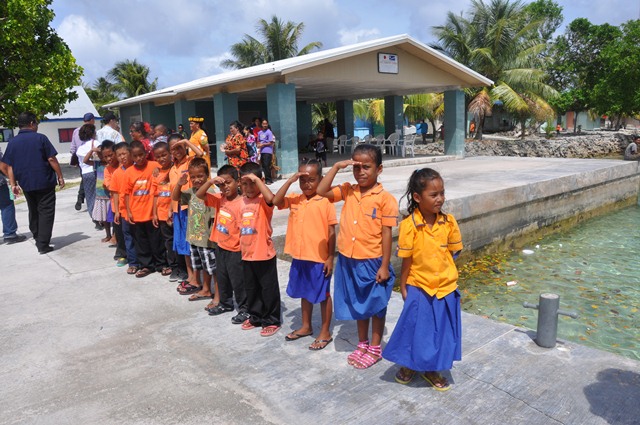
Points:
(82, 342)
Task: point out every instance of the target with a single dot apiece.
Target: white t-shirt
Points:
(82, 151)
(108, 133)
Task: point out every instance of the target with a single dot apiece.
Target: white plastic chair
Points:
(391, 143)
(408, 144)
(340, 142)
(378, 140)
(352, 143)
(367, 139)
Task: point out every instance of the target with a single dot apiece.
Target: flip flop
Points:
(446, 387)
(294, 336)
(402, 377)
(325, 342)
(247, 325)
(132, 270)
(196, 297)
(185, 288)
(269, 330)
(144, 272)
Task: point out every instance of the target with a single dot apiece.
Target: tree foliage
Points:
(37, 69)
(279, 40)
(101, 93)
(548, 14)
(131, 78)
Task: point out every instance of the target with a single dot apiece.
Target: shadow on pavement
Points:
(615, 396)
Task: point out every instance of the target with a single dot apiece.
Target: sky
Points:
(182, 40)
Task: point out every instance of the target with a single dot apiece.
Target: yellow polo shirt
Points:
(430, 249)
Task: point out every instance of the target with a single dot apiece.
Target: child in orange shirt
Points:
(139, 193)
(428, 335)
(162, 205)
(311, 241)
(117, 240)
(364, 277)
(258, 253)
(226, 234)
(184, 271)
(117, 189)
(199, 224)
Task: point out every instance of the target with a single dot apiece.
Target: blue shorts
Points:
(180, 244)
(307, 280)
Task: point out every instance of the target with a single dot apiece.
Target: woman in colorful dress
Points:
(235, 147)
(199, 138)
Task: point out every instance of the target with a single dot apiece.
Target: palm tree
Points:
(101, 92)
(499, 42)
(131, 78)
(429, 106)
(279, 40)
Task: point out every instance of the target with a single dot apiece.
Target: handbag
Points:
(74, 160)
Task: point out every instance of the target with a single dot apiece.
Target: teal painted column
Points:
(344, 112)
(305, 124)
(454, 123)
(183, 109)
(225, 110)
(281, 104)
(393, 114)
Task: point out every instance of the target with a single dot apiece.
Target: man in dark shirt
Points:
(35, 168)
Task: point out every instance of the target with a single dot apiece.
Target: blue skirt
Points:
(109, 214)
(357, 295)
(180, 244)
(428, 335)
(307, 280)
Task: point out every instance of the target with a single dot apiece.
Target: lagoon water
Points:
(595, 269)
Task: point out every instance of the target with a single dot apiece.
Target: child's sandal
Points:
(367, 360)
(353, 358)
(404, 375)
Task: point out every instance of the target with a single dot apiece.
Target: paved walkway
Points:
(84, 343)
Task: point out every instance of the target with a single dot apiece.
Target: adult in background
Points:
(110, 129)
(139, 132)
(33, 163)
(266, 141)
(181, 131)
(235, 146)
(8, 208)
(88, 137)
(88, 118)
(199, 138)
(422, 128)
(631, 152)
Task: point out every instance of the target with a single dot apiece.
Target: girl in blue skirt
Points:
(364, 278)
(427, 337)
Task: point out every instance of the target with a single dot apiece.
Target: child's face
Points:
(309, 183)
(249, 188)
(197, 176)
(163, 157)
(108, 156)
(177, 151)
(228, 189)
(139, 157)
(124, 157)
(431, 198)
(366, 173)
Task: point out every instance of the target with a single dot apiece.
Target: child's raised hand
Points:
(250, 177)
(183, 180)
(218, 181)
(344, 164)
(383, 275)
(296, 176)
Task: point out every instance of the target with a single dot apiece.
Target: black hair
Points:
(373, 151)
(107, 144)
(228, 170)
(417, 183)
(251, 168)
(312, 163)
(26, 118)
(199, 163)
(136, 144)
(140, 127)
(122, 145)
(161, 145)
(237, 124)
(87, 132)
(174, 136)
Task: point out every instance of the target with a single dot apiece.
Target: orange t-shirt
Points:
(176, 171)
(118, 187)
(362, 218)
(108, 173)
(140, 185)
(255, 229)
(163, 195)
(308, 227)
(226, 232)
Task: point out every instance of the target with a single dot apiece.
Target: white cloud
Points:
(211, 65)
(358, 35)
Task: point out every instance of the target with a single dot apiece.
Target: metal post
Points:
(548, 310)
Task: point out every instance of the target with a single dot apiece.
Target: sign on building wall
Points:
(387, 63)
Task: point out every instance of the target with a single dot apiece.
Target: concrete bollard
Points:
(548, 311)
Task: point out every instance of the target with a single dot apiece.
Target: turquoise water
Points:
(595, 269)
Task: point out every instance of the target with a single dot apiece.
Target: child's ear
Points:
(416, 197)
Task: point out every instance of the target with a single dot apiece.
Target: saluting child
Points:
(139, 194)
(311, 241)
(258, 253)
(427, 337)
(199, 222)
(226, 235)
(364, 277)
(162, 206)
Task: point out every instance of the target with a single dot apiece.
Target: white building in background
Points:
(59, 128)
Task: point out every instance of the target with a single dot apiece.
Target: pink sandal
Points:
(353, 358)
(367, 360)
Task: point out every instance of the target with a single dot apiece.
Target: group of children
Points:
(167, 209)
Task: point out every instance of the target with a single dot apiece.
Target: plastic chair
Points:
(391, 143)
(341, 141)
(408, 144)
